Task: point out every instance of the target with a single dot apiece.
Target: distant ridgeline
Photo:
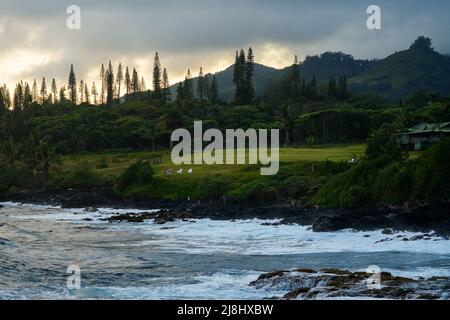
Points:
(398, 76)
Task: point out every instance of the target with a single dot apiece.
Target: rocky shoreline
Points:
(307, 284)
(425, 218)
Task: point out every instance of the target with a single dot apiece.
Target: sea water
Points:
(195, 259)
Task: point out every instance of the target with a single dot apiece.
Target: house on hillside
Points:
(423, 136)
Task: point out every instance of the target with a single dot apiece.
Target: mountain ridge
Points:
(397, 76)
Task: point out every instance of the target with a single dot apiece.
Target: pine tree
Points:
(62, 94)
(342, 91)
(43, 90)
(180, 92)
(332, 88)
(5, 101)
(94, 93)
(243, 73)
(311, 89)
(165, 86)
(27, 99)
(249, 93)
(214, 90)
(188, 88)
(8, 98)
(143, 86)
(157, 93)
(345, 90)
(3, 107)
(82, 91)
(54, 91)
(236, 69)
(303, 87)
(201, 92)
(119, 80)
(102, 81)
(135, 84)
(72, 85)
(18, 97)
(127, 81)
(86, 93)
(295, 78)
(207, 84)
(109, 84)
(34, 91)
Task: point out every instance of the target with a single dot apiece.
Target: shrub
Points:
(382, 147)
(354, 196)
(294, 187)
(213, 188)
(82, 176)
(432, 173)
(393, 185)
(258, 192)
(13, 176)
(338, 190)
(138, 173)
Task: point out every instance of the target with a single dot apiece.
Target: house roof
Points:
(428, 128)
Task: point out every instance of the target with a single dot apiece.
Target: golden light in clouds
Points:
(275, 55)
(16, 63)
(19, 61)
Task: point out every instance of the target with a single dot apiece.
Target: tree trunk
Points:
(287, 138)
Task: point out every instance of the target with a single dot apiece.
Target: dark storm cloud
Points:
(190, 33)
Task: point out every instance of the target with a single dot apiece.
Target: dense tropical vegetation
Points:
(40, 128)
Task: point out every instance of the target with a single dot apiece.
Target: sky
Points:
(35, 41)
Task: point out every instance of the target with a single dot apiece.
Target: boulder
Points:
(336, 283)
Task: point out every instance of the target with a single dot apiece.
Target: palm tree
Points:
(8, 128)
(173, 120)
(40, 156)
(153, 132)
(285, 115)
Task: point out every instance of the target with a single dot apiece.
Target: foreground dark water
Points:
(200, 259)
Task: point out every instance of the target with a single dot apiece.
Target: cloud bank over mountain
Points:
(34, 40)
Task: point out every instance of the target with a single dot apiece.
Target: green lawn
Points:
(117, 162)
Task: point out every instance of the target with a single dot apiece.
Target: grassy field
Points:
(112, 164)
(302, 171)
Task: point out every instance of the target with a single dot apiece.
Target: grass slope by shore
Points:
(240, 182)
(114, 163)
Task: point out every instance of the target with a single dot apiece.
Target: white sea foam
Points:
(246, 237)
(250, 239)
(43, 212)
(253, 237)
(227, 284)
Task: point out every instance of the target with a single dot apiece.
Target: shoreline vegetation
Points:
(379, 188)
(340, 152)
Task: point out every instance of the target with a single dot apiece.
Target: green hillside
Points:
(324, 66)
(419, 68)
(333, 64)
(262, 77)
(403, 73)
